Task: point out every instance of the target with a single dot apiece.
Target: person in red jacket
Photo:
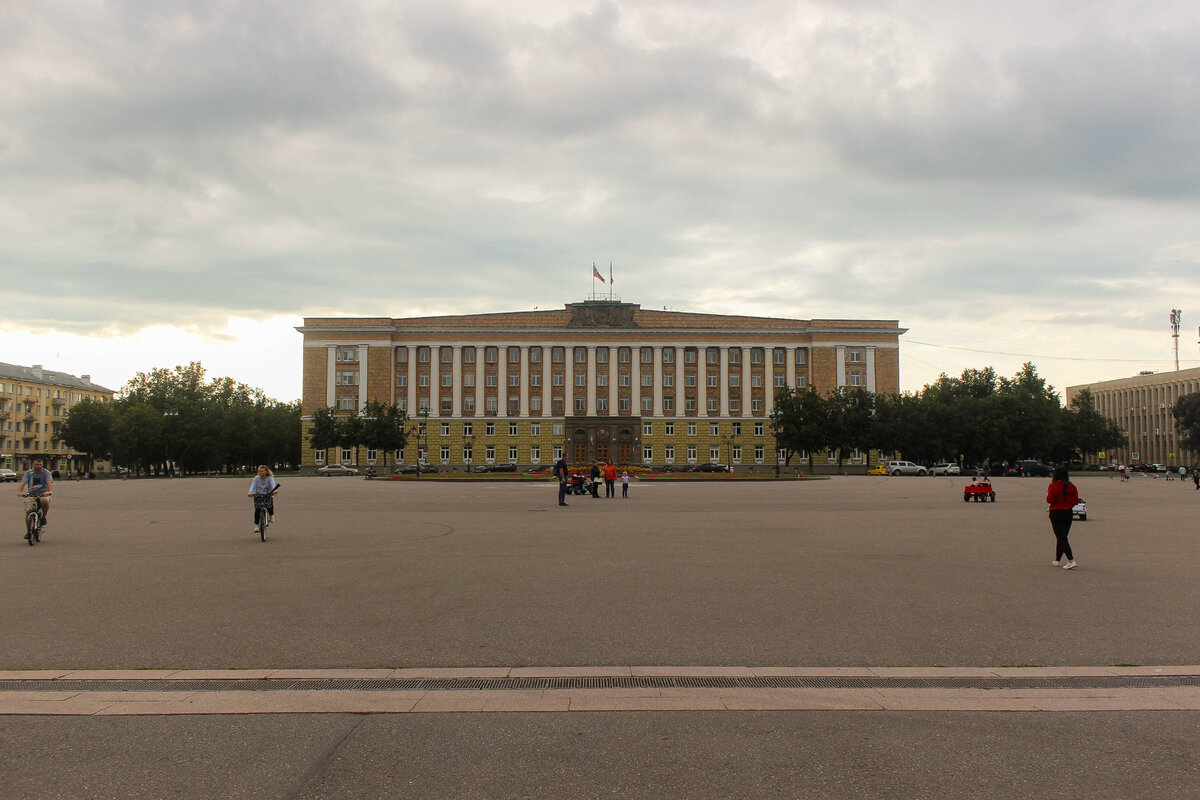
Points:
(1062, 497)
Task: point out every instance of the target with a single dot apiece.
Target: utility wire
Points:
(1058, 358)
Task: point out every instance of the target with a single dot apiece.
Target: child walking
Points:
(625, 485)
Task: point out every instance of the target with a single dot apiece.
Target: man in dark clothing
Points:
(595, 476)
(560, 472)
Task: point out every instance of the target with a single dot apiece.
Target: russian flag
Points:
(596, 273)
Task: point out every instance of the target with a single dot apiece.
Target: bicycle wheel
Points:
(262, 524)
(31, 526)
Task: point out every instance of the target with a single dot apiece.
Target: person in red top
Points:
(610, 478)
(1062, 497)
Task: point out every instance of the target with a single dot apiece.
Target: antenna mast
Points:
(1176, 321)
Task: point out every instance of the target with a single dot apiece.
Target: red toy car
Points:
(979, 491)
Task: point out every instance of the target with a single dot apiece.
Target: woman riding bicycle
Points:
(263, 484)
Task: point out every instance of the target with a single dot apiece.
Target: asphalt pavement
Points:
(167, 574)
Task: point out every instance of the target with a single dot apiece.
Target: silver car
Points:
(905, 468)
(945, 469)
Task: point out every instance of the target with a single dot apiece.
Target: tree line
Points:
(173, 417)
(974, 417)
(380, 427)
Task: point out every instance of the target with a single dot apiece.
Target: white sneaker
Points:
(256, 529)
(1070, 565)
(1055, 563)
(271, 519)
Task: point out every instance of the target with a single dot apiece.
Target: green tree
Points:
(849, 420)
(800, 419)
(138, 435)
(383, 428)
(1187, 419)
(1087, 431)
(89, 429)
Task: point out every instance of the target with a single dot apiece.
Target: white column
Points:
(614, 379)
(547, 378)
(568, 380)
(680, 372)
(841, 365)
(435, 364)
(456, 372)
(502, 380)
(769, 380)
(524, 410)
(790, 366)
(480, 401)
(702, 381)
(746, 382)
(658, 387)
(591, 380)
(870, 368)
(331, 378)
(362, 377)
(635, 381)
(723, 379)
(412, 382)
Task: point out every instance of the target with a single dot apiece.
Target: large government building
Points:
(597, 379)
(34, 402)
(1142, 406)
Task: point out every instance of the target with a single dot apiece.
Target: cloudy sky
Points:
(187, 180)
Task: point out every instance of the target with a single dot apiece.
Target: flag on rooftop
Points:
(596, 273)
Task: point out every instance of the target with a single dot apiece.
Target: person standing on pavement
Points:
(560, 472)
(1062, 497)
(625, 485)
(610, 478)
(595, 480)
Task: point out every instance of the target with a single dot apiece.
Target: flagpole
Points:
(610, 281)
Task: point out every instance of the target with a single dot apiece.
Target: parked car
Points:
(412, 469)
(1157, 468)
(7, 476)
(537, 470)
(1032, 469)
(670, 468)
(494, 468)
(337, 469)
(878, 469)
(945, 469)
(905, 468)
(711, 468)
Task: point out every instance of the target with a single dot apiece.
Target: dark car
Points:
(670, 468)
(413, 469)
(494, 468)
(1032, 469)
(711, 468)
(537, 470)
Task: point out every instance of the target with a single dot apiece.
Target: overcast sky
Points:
(187, 180)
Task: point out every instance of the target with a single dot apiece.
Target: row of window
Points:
(557, 428)
(624, 355)
(32, 391)
(535, 454)
(580, 379)
(557, 405)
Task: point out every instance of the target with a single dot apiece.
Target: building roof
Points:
(36, 374)
(598, 314)
(1134, 381)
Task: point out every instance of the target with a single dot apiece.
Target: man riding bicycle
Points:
(37, 483)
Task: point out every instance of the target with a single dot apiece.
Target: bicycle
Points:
(262, 517)
(33, 517)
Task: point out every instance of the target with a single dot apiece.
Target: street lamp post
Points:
(424, 414)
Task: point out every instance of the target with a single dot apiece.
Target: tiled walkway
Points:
(397, 691)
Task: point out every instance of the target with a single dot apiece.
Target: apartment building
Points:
(34, 402)
(597, 379)
(1142, 406)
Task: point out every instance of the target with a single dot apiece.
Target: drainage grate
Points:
(646, 682)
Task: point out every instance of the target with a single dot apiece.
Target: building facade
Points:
(34, 402)
(1142, 406)
(594, 380)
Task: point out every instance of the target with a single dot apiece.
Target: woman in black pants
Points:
(1062, 497)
